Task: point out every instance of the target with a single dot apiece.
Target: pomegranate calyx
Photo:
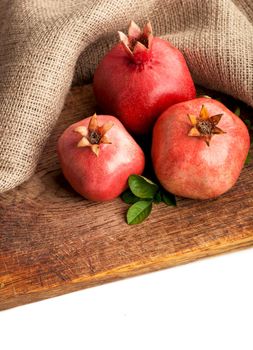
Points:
(137, 40)
(94, 135)
(205, 126)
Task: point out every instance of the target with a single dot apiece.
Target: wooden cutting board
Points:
(52, 241)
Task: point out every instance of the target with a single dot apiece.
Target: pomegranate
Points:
(97, 155)
(199, 148)
(140, 77)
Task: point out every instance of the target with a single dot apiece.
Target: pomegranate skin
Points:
(185, 165)
(103, 177)
(137, 92)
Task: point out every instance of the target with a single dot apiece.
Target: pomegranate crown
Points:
(205, 126)
(94, 135)
(137, 40)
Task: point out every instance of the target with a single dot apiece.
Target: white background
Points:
(203, 305)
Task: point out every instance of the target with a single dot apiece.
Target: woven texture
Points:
(45, 45)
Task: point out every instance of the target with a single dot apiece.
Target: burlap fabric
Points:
(47, 44)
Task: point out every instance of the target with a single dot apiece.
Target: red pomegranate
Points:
(97, 155)
(140, 77)
(199, 148)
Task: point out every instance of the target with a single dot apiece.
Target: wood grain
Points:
(52, 241)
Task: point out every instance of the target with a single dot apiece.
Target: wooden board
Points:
(52, 241)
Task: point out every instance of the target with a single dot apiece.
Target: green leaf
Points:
(138, 212)
(237, 111)
(158, 197)
(248, 122)
(248, 159)
(169, 198)
(142, 187)
(129, 198)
